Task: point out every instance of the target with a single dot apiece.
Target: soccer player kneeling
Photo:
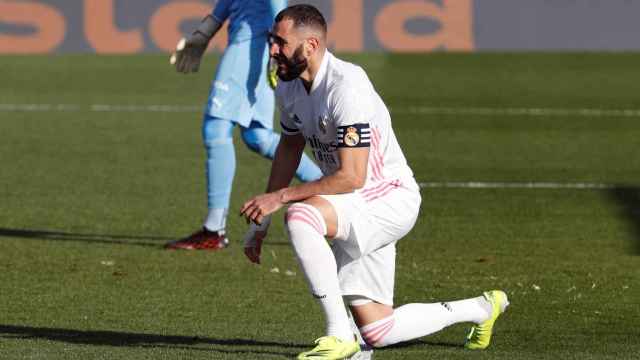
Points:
(365, 202)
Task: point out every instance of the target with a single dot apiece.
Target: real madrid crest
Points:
(322, 123)
(351, 137)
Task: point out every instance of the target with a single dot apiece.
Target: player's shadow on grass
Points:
(628, 198)
(419, 343)
(127, 339)
(151, 241)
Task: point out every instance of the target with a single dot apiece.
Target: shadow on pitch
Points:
(420, 343)
(151, 241)
(127, 339)
(628, 198)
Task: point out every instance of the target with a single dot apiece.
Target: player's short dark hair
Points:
(304, 15)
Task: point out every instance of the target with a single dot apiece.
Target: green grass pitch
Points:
(87, 198)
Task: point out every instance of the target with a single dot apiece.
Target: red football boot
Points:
(201, 240)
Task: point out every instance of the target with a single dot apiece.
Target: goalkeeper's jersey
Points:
(343, 109)
(247, 18)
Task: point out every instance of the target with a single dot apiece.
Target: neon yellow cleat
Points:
(331, 348)
(480, 335)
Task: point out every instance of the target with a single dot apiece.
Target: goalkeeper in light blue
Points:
(240, 94)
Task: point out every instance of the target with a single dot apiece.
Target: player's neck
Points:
(308, 76)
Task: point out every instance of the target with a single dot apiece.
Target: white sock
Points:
(413, 321)
(475, 310)
(216, 220)
(307, 228)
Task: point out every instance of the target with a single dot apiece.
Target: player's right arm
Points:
(286, 161)
(283, 168)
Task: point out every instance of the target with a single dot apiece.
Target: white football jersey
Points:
(343, 110)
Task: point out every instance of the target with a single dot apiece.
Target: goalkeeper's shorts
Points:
(240, 91)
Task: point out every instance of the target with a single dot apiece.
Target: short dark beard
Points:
(294, 66)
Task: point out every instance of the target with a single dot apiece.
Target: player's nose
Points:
(274, 49)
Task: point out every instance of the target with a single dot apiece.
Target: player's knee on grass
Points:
(261, 140)
(216, 131)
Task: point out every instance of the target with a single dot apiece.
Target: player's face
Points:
(287, 50)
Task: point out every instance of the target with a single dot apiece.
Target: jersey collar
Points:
(322, 72)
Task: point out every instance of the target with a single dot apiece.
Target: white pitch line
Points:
(39, 107)
(489, 111)
(145, 108)
(98, 108)
(515, 185)
(424, 110)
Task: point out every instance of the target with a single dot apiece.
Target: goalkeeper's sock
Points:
(307, 228)
(220, 168)
(413, 321)
(216, 220)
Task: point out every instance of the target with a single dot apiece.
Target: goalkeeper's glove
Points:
(253, 239)
(190, 49)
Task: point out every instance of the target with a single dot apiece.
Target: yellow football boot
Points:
(480, 335)
(331, 348)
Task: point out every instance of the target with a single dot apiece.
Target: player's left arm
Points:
(351, 176)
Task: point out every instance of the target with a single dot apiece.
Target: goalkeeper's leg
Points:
(265, 141)
(220, 169)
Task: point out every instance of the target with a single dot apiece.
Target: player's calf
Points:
(413, 321)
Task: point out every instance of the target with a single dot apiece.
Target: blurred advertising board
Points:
(134, 26)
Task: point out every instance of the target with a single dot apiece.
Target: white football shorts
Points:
(365, 243)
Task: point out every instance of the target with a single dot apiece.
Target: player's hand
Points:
(253, 240)
(189, 53)
(190, 49)
(256, 209)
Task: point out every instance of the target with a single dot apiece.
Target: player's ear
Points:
(312, 44)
